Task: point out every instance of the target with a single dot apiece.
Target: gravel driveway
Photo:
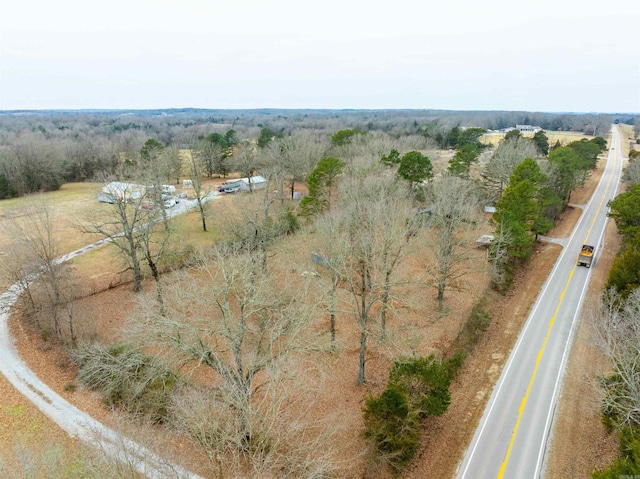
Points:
(71, 419)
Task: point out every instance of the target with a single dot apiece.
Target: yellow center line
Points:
(523, 403)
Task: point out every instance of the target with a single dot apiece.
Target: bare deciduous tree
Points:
(617, 328)
(286, 441)
(234, 319)
(274, 167)
(498, 257)
(455, 217)
(363, 241)
(32, 230)
(197, 167)
(20, 269)
(506, 157)
(252, 224)
(153, 244)
(128, 226)
(300, 155)
(631, 174)
(327, 232)
(213, 158)
(36, 163)
(245, 161)
(171, 164)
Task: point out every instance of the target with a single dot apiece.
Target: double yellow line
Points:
(523, 403)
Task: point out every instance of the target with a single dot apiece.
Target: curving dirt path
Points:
(69, 418)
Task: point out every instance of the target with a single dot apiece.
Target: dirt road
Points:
(72, 420)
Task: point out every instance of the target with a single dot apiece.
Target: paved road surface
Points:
(512, 437)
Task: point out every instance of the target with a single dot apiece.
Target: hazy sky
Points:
(542, 55)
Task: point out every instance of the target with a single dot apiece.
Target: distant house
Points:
(528, 128)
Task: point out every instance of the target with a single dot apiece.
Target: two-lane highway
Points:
(512, 437)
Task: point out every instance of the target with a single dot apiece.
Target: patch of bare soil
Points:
(566, 222)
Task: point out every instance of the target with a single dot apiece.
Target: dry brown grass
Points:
(417, 327)
(627, 140)
(565, 137)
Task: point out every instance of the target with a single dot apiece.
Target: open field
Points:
(419, 329)
(563, 137)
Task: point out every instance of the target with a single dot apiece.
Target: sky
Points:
(543, 55)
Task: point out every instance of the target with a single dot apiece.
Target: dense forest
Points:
(40, 150)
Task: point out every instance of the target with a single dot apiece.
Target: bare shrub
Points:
(128, 379)
(617, 327)
(273, 437)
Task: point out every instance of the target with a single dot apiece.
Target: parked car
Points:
(229, 188)
(170, 203)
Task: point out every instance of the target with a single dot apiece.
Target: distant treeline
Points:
(41, 150)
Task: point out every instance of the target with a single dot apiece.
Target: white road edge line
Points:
(565, 355)
(518, 343)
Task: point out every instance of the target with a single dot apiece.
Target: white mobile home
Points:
(250, 184)
(123, 191)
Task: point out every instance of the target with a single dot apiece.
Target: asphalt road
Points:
(513, 435)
